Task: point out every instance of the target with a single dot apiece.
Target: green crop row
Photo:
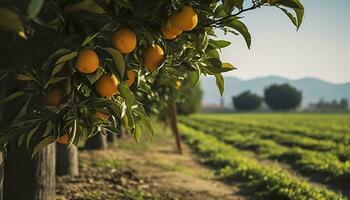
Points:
(269, 182)
(284, 125)
(325, 165)
(331, 123)
(284, 138)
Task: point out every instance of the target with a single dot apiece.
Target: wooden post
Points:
(173, 124)
(67, 160)
(97, 142)
(30, 179)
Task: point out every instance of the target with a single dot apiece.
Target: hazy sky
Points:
(321, 47)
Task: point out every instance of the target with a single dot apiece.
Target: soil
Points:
(151, 169)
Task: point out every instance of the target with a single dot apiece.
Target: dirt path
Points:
(161, 163)
(149, 170)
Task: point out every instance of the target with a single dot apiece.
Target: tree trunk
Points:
(97, 142)
(29, 179)
(1, 174)
(173, 124)
(112, 139)
(67, 160)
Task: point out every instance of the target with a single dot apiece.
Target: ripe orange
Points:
(101, 116)
(54, 97)
(107, 85)
(87, 62)
(153, 57)
(124, 40)
(186, 19)
(170, 32)
(64, 139)
(131, 77)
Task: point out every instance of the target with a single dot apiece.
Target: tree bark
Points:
(29, 179)
(97, 142)
(174, 128)
(67, 160)
(1, 174)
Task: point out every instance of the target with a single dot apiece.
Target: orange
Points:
(186, 19)
(124, 40)
(87, 62)
(64, 139)
(107, 85)
(101, 115)
(178, 85)
(153, 57)
(170, 32)
(54, 97)
(131, 77)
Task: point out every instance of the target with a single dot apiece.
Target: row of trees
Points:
(277, 97)
(329, 106)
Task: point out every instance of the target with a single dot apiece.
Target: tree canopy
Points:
(62, 61)
(246, 101)
(282, 97)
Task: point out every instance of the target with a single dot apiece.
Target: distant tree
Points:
(246, 101)
(330, 106)
(344, 104)
(282, 97)
(190, 99)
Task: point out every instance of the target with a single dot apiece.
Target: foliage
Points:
(49, 35)
(268, 182)
(190, 99)
(282, 97)
(246, 101)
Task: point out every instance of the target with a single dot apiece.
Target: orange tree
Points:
(63, 61)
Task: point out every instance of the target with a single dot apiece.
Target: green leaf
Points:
(228, 67)
(62, 60)
(290, 16)
(95, 76)
(195, 77)
(118, 60)
(126, 94)
(12, 97)
(241, 28)
(220, 83)
(34, 7)
(55, 80)
(31, 133)
(43, 143)
(24, 77)
(89, 38)
(21, 139)
(144, 119)
(86, 5)
(125, 4)
(291, 3)
(137, 132)
(10, 21)
(49, 129)
(218, 44)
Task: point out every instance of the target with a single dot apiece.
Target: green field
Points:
(278, 156)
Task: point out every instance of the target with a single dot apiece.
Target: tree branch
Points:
(218, 21)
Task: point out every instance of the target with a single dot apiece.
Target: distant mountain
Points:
(313, 89)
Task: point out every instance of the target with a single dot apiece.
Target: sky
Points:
(320, 48)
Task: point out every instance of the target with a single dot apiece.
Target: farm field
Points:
(277, 156)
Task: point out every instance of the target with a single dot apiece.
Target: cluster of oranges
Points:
(185, 20)
(125, 40)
